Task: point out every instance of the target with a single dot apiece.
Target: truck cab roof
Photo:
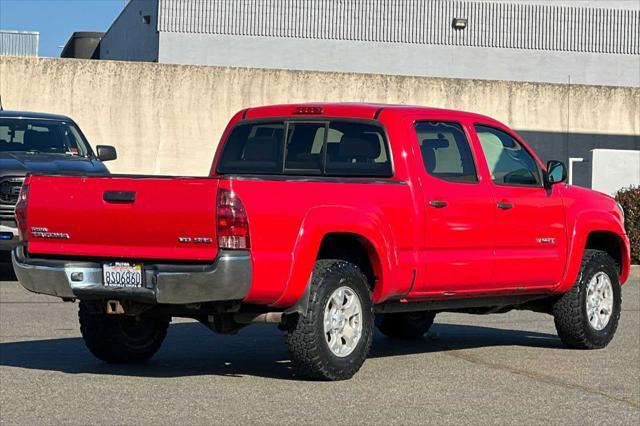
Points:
(360, 110)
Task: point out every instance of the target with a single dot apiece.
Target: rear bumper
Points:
(228, 278)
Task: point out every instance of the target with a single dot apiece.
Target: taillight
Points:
(21, 209)
(232, 224)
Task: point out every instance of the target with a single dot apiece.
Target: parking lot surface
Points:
(507, 368)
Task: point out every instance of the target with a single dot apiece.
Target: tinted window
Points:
(356, 149)
(48, 136)
(352, 149)
(445, 151)
(253, 148)
(509, 163)
(304, 147)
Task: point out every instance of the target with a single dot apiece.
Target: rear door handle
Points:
(119, 196)
(504, 205)
(438, 204)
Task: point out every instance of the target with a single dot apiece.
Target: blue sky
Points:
(56, 20)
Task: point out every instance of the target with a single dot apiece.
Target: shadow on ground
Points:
(6, 269)
(192, 350)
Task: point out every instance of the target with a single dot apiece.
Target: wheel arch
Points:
(358, 236)
(353, 248)
(598, 233)
(609, 243)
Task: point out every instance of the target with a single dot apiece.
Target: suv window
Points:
(47, 136)
(508, 161)
(445, 151)
(330, 148)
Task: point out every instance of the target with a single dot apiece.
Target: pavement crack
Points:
(453, 352)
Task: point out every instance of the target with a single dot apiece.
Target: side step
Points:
(457, 304)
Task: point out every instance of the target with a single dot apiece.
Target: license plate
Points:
(122, 274)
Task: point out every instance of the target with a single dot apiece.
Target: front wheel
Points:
(332, 339)
(586, 317)
(119, 338)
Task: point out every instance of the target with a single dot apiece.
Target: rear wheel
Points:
(332, 339)
(120, 338)
(406, 325)
(586, 317)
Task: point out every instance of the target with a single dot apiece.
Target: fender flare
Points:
(585, 223)
(323, 220)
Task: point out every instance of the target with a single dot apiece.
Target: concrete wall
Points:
(167, 119)
(565, 145)
(129, 37)
(613, 170)
(400, 59)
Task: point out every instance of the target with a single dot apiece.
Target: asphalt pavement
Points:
(501, 369)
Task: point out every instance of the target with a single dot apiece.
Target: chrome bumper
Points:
(228, 278)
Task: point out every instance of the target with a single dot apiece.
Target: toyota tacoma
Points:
(329, 220)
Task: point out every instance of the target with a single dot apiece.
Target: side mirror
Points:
(106, 153)
(556, 172)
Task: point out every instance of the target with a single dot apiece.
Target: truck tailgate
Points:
(131, 217)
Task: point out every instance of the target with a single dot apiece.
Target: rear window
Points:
(326, 148)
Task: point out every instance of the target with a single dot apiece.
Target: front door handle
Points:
(505, 205)
(438, 204)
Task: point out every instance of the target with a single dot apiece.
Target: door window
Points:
(508, 161)
(445, 151)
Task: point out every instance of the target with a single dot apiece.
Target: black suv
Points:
(40, 143)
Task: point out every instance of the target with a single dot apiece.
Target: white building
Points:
(591, 42)
(19, 43)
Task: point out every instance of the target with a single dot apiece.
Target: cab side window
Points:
(445, 151)
(509, 162)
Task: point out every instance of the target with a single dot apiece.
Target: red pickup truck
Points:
(328, 219)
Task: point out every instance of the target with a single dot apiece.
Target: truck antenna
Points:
(568, 135)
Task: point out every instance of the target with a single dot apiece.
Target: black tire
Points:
(406, 325)
(119, 338)
(305, 336)
(570, 311)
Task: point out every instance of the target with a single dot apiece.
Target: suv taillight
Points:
(232, 224)
(21, 209)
